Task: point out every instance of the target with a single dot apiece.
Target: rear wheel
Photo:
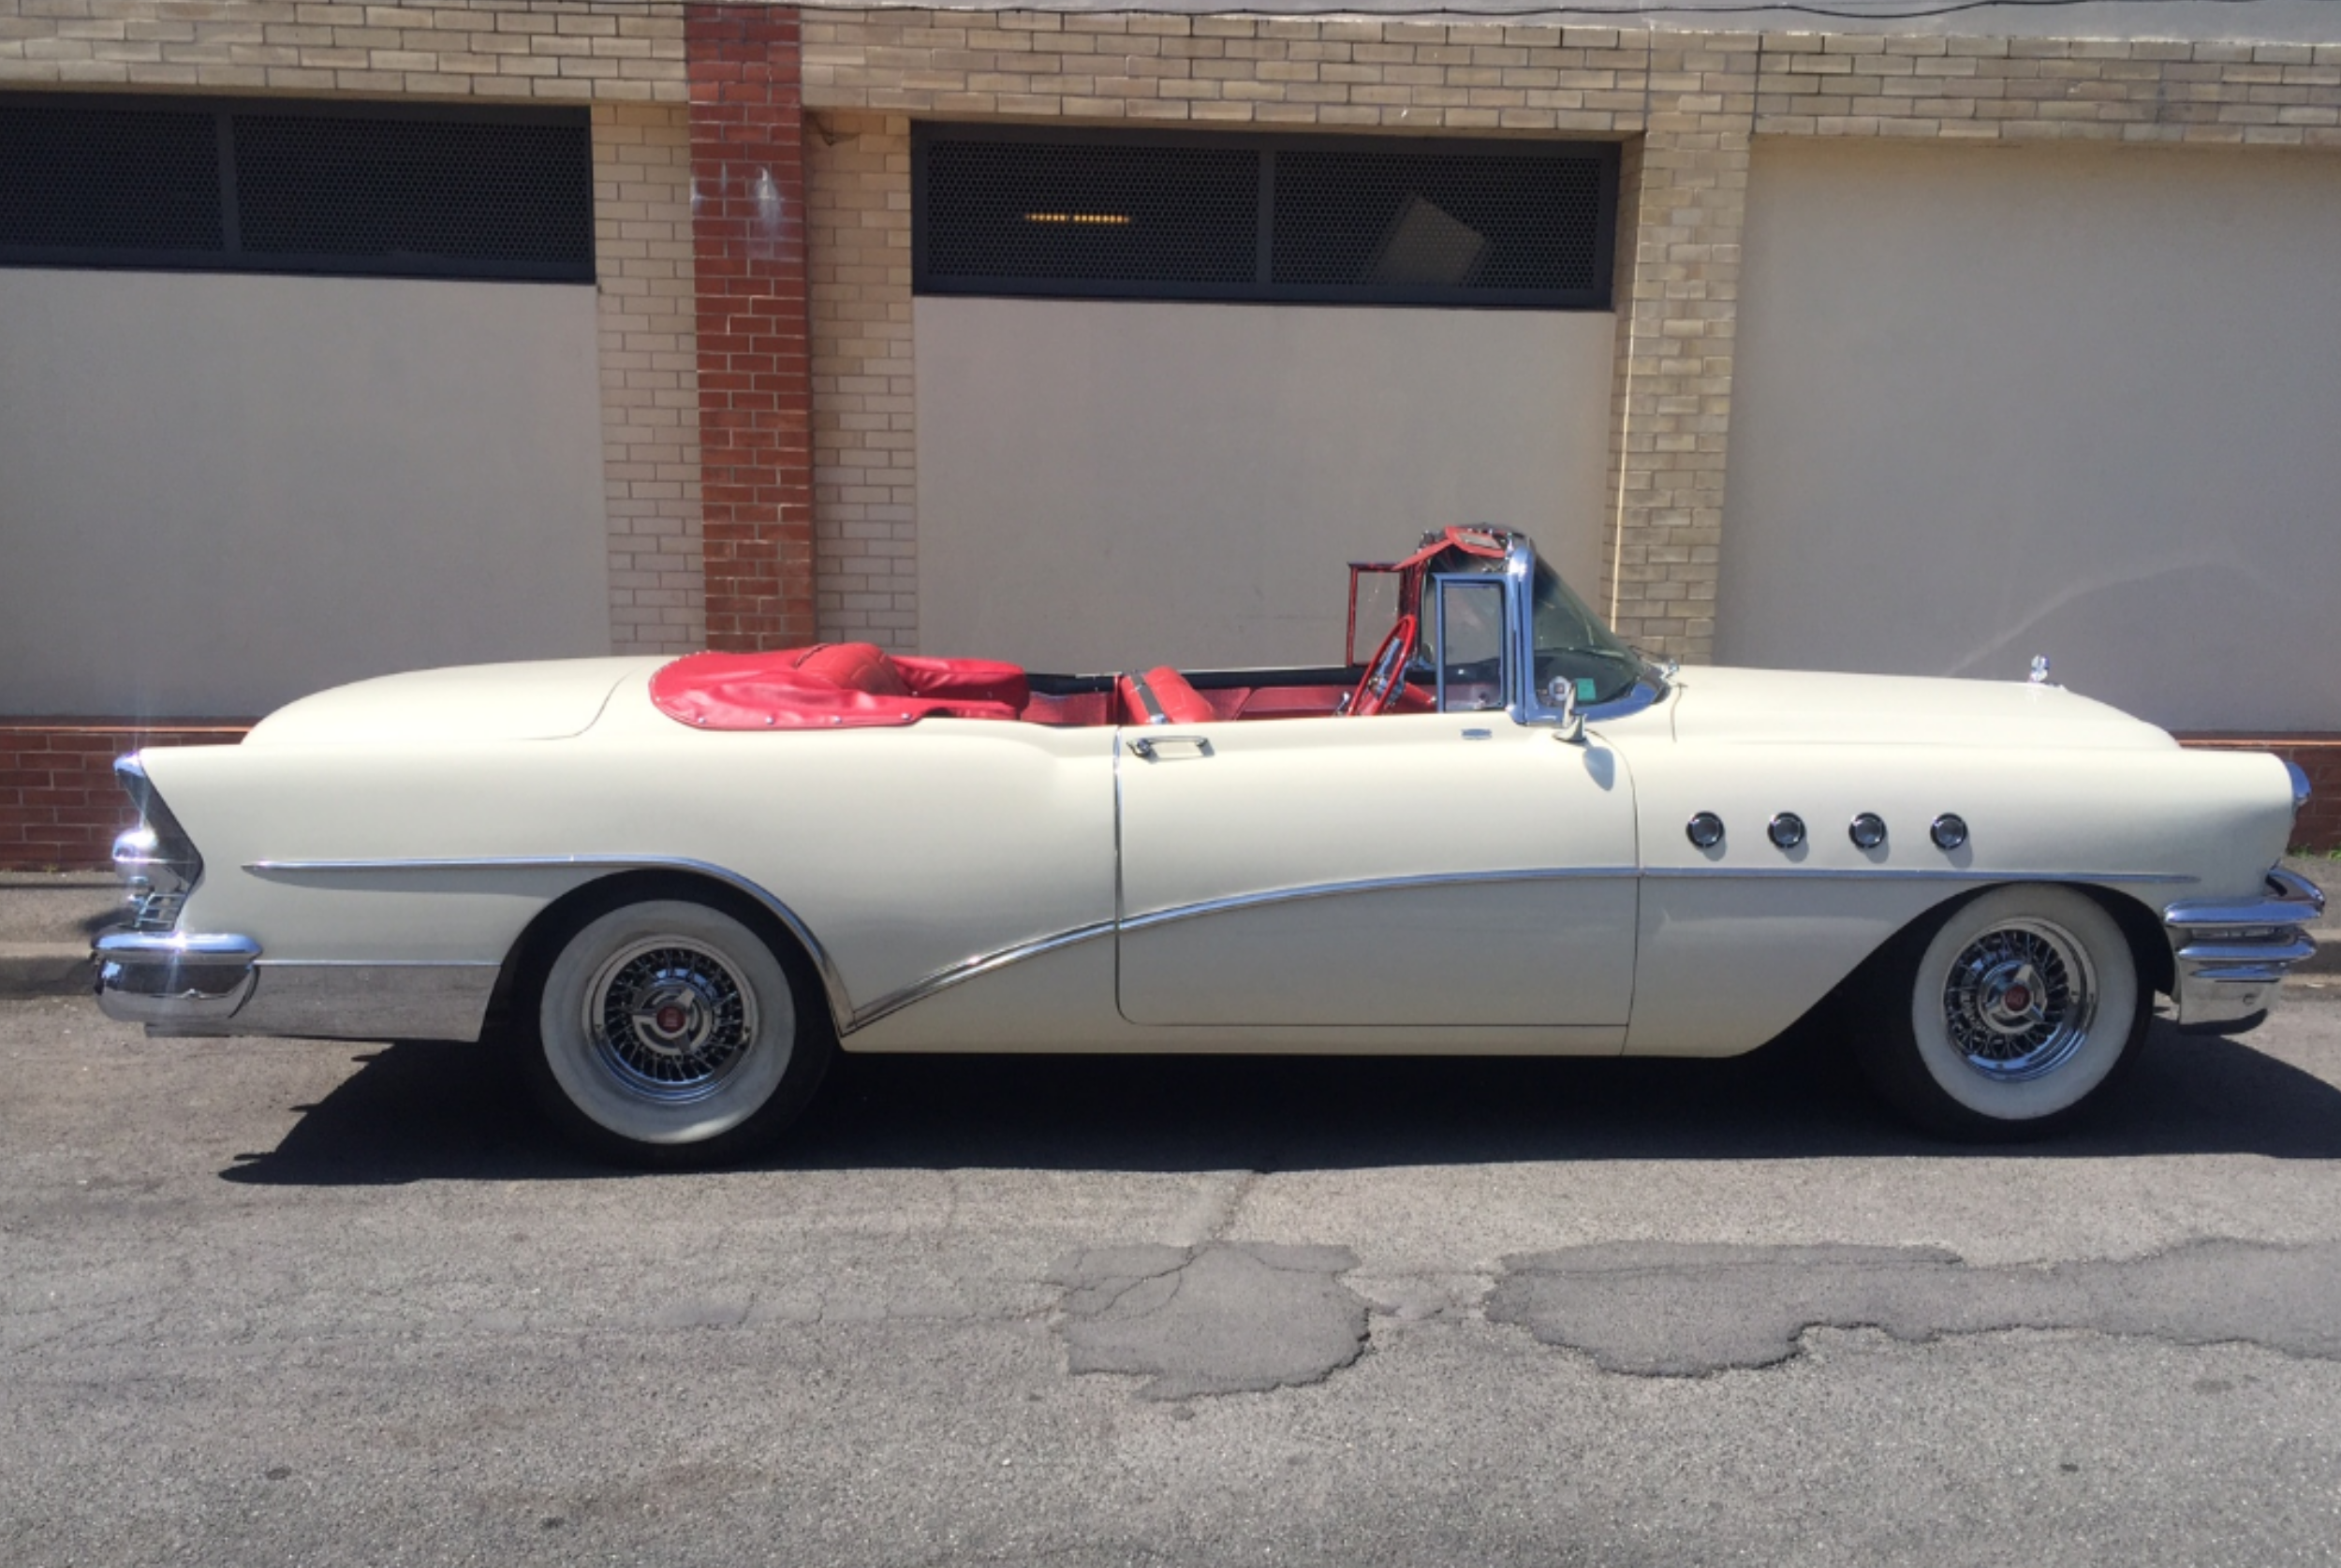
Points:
(669, 1033)
(2013, 1013)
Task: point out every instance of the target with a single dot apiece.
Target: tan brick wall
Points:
(648, 377)
(2012, 89)
(864, 476)
(1685, 105)
(569, 49)
(1689, 100)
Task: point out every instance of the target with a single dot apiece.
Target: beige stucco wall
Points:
(2076, 400)
(1108, 484)
(218, 493)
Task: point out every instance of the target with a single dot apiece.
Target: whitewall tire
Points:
(668, 1033)
(2018, 1009)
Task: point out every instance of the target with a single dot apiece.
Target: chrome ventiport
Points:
(1704, 829)
(1787, 830)
(1949, 831)
(1867, 831)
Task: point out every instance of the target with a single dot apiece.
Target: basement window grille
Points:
(286, 186)
(1331, 220)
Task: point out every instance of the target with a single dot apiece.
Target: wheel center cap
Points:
(670, 1020)
(2012, 1000)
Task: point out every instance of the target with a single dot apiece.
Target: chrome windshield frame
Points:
(1527, 705)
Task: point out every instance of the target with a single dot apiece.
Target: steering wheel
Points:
(1385, 675)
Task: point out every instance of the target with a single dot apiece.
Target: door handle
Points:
(1150, 747)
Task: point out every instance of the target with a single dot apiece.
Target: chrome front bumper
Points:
(178, 984)
(2231, 959)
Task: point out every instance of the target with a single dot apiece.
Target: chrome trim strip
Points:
(1897, 873)
(175, 946)
(840, 1001)
(378, 963)
(944, 980)
(335, 1001)
(1367, 885)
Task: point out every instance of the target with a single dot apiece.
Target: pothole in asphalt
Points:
(1222, 1318)
(1677, 1309)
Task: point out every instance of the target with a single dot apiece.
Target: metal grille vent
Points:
(1179, 216)
(84, 178)
(1120, 214)
(377, 190)
(1439, 221)
(310, 186)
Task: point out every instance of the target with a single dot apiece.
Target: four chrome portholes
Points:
(1867, 831)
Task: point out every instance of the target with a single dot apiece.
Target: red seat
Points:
(1178, 702)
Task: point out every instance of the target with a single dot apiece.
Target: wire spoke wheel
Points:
(671, 1019)
(2020, 1001)
(2003, 1015)
(671, 1033)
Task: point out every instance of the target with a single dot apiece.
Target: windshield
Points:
(1571, 641)
(1572, 644)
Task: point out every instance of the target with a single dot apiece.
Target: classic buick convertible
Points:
(684, 884)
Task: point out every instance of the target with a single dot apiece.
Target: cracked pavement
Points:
(279, 1302)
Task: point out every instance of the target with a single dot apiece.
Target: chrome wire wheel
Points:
(670, 1018)
(670, 1032)
(2014, 1010)
(2020, 1000)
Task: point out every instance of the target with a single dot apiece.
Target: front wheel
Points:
(670, 1034)
(2017, 1010)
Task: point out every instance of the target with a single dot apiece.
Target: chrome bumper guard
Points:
(2232, 958)
(171, 977)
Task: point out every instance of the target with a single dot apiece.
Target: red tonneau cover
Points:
(840, 685)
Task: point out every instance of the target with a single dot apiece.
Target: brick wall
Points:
(865, 522)
(755, 364)
(567, 50)
(648, 377)
(59, 804)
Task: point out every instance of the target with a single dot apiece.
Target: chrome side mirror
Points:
(1560, 696)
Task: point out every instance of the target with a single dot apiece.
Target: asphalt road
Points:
(281, 1302)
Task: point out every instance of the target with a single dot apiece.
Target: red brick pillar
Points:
(754, 366)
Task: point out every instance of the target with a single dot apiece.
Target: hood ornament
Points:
(2039, 676)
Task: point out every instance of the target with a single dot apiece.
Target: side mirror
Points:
(1561, 701)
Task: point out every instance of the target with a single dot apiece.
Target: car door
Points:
(1400, 869)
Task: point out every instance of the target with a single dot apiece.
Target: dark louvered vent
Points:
(371, 189)
(1334, 220)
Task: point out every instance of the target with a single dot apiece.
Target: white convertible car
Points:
(685, 883)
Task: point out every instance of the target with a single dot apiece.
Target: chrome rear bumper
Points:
(189, 985)
(174, 977)
(2231, 958)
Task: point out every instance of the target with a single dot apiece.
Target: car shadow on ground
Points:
(420, 1112)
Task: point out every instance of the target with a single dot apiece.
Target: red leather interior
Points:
(864, 667)
(831, 686)
(853, 686)
(963, 680)
(1182, 703)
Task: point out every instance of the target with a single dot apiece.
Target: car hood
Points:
(1722, 704)
(542, 701)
